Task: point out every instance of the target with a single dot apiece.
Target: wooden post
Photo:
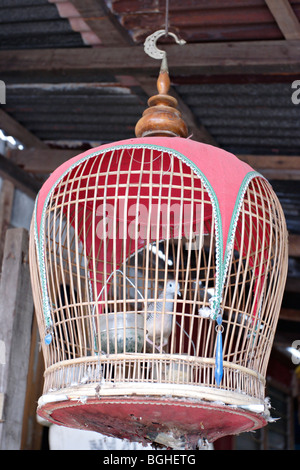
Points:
(16, 313)
(6, 203)
(32, 433)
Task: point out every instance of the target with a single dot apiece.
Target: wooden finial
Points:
(162, 118)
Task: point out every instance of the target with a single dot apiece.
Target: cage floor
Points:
(174, 423)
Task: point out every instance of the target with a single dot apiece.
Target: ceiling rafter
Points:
(78, 24)
(210, 58)
(13, 128)
(289, 314)
(285, 17)
(93, 20)
(294, 246)
(42, 161)
(282, 167)
(18, 177)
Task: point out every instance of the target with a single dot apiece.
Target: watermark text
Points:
(139, 221)
(295, 352)
(296, 93)
(2, 92)
(2, 352)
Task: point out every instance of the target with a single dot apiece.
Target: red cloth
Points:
(221, 172)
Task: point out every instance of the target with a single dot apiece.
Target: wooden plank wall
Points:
(21, 362)
(16, 309)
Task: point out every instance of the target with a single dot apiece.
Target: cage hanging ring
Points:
(150, 44)
(219, 328)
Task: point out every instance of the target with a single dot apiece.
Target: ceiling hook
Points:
(153, 51)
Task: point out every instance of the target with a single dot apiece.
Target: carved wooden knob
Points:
(161, 118)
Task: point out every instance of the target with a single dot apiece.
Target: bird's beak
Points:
(178, 292)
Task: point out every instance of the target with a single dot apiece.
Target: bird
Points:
(159, 316)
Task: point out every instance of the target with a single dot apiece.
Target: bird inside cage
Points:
(159, 317)
(160, 300)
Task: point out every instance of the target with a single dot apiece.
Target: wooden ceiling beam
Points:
(294, 247)
(289, 314)
(20, 178)
(276, 174)
(13, 128)
(93, 17)
(285, 18)
(43, 161)
(40, 161)
(209, 58)
(275, 167)
(275, 162)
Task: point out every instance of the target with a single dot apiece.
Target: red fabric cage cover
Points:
(223, 175)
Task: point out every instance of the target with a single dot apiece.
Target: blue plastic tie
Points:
(48, 338)
(219, 353)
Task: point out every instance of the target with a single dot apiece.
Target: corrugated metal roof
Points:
(249, 118)
(76, 113)
(198, 21)
(243, 118)
(28, 24)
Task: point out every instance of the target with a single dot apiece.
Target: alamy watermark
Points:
(2, 92)
(139, 221)
(296, 93)
(295, 351)
(2, 352)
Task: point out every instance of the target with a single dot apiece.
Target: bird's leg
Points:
(152, 344)
(159, 349)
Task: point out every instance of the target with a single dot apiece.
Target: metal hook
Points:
(150, 44)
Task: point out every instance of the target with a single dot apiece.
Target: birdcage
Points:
(158, 267)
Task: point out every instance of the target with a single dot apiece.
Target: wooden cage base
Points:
(173, 422)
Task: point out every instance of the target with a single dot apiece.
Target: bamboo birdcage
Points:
(111, 229)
